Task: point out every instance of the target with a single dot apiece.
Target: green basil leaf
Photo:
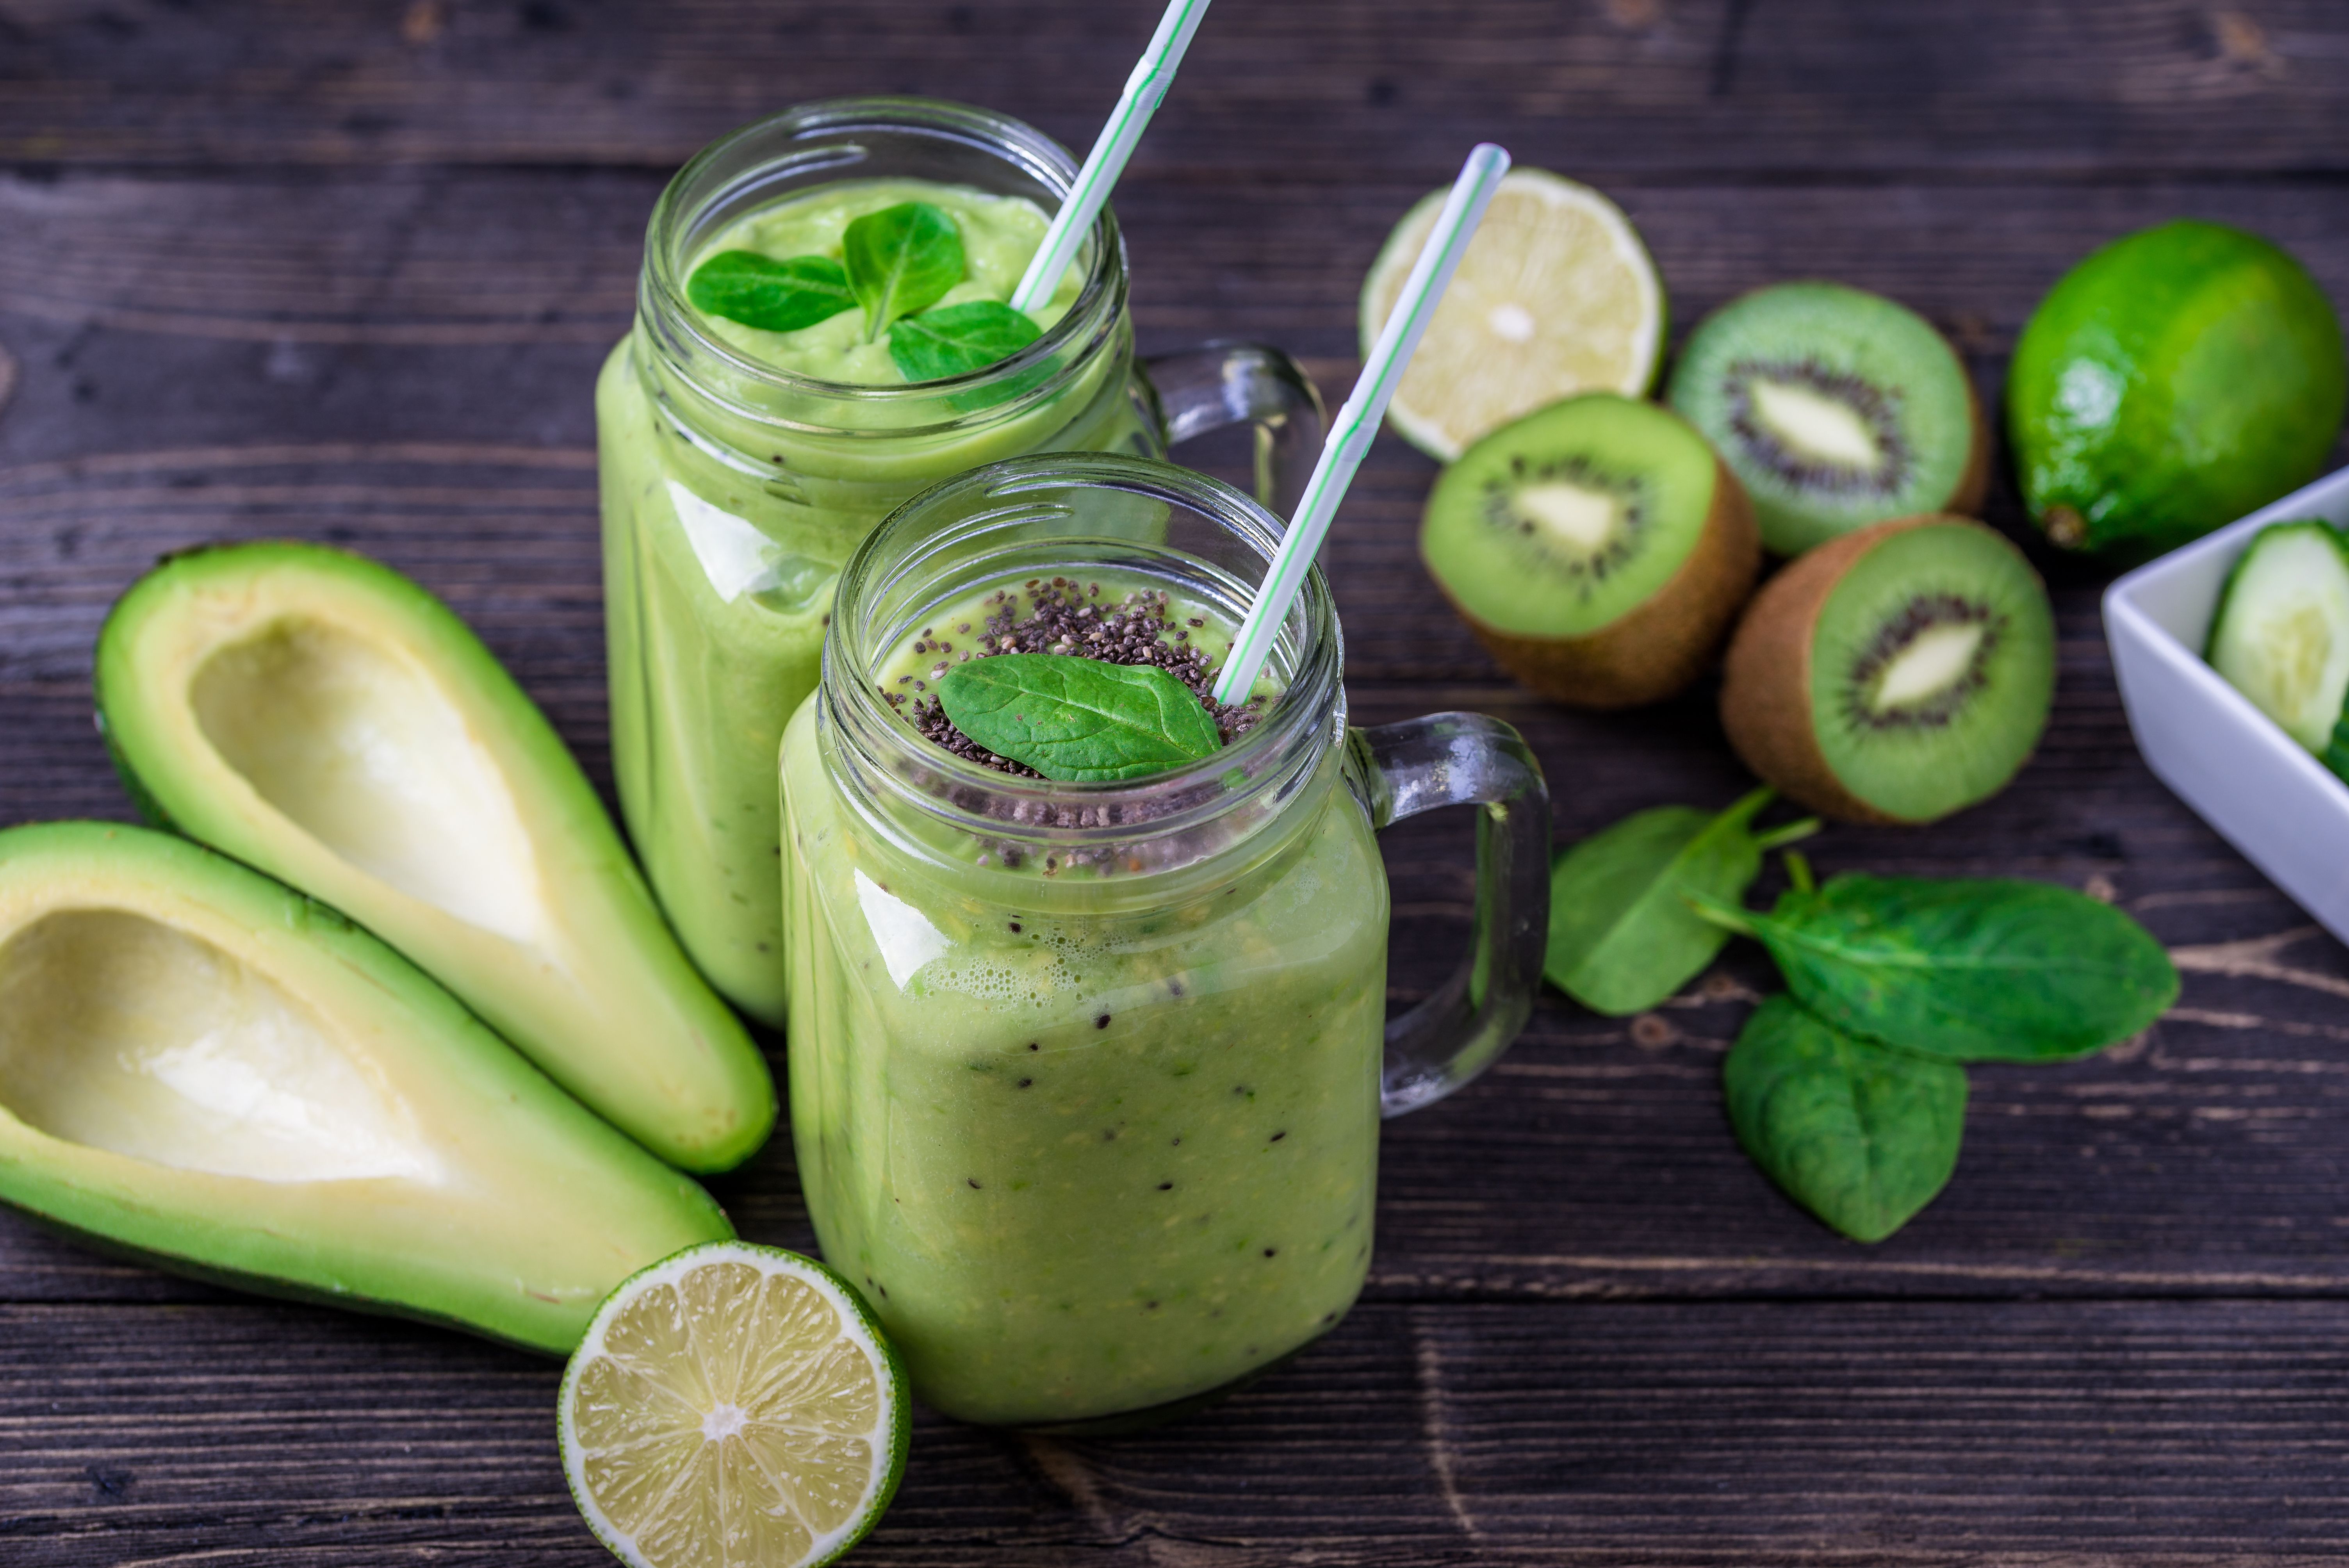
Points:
(1623, 935)
(1860, 1134)
(1078, 720)
(900, 260)
(957, 339)
(1969, 970)
(774, 296)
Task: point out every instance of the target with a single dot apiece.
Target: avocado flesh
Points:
(205, 1070)
(325, 719)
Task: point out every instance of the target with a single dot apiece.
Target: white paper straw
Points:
(1358, 421)
(1106, 162)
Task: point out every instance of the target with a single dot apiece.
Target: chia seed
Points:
(1060, 621)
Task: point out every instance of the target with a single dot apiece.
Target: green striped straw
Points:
(1143, 91)
(1358, 421)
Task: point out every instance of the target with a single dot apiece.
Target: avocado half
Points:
(210, 1071)
(322, 717)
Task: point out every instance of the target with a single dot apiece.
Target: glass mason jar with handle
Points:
(1086, 1078)
(733, 489)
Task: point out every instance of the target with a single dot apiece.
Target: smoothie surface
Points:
(999, 234)
(1118, 618)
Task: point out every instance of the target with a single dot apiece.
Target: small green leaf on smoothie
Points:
(957, 339)
(1862, 1135)
(772, 295)
(1078, 720)
(900, 260)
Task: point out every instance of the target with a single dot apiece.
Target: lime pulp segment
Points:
(732, 1407)
(1555, 296)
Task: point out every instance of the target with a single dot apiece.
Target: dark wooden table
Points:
(346, 270)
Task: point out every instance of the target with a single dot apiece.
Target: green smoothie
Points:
(1092, 1138)
(739, 468)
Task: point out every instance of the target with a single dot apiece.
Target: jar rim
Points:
(1270, 758)
(1095, 310)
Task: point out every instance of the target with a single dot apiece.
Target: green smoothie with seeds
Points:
(1089, 1047)
(740, 468)
(1084, 1157)
(791, 379)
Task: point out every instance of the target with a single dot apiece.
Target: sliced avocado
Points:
(209, 1070)
(322, 717)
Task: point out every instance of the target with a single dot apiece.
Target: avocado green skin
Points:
(734, 1118)
(2171, 382)
(475, 1293)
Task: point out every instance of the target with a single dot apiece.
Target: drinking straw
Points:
(1143, 91)
(1358, 421)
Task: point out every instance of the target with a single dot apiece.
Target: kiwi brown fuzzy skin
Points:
(1658, 648)
(1765, 688)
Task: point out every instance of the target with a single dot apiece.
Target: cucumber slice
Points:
(2282, 634)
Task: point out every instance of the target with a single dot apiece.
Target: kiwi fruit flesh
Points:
(1596, 547)
(1836, 408)
(1896, 673)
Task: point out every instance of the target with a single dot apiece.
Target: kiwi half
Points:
(1836, 408)
(1596, 547)
(1894, 675)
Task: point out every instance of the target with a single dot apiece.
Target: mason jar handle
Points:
(1219, 383)
(1466, 759)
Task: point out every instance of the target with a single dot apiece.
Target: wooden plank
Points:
(319, 280)
(1797, 86)
(2204, 1161)
(1909, 1434)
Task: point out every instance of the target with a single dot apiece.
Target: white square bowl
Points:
(2240, 771)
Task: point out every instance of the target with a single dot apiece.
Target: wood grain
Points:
(347, 271)
(1792, 87)
(1909, 1434)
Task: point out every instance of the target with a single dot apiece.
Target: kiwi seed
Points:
(1895, 673)
(1878, 468)
(1836, 408)
(1596, 547)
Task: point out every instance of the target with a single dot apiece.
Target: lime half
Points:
(1556, 296)
(732, 1407)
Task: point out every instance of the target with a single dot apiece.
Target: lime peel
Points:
(733, 1406)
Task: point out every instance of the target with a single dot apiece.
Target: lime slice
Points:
(1555, 296)
(733, 1406)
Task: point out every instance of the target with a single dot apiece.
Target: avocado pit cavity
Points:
(120, 1033)
(365, 752)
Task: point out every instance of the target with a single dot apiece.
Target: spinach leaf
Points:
(1622, 936)
(1078, 720)
(1969, 970)
(774, 296)
(957, 339)
(900, 260)
(1860, 1134)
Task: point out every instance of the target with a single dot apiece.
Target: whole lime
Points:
(2171, 382)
